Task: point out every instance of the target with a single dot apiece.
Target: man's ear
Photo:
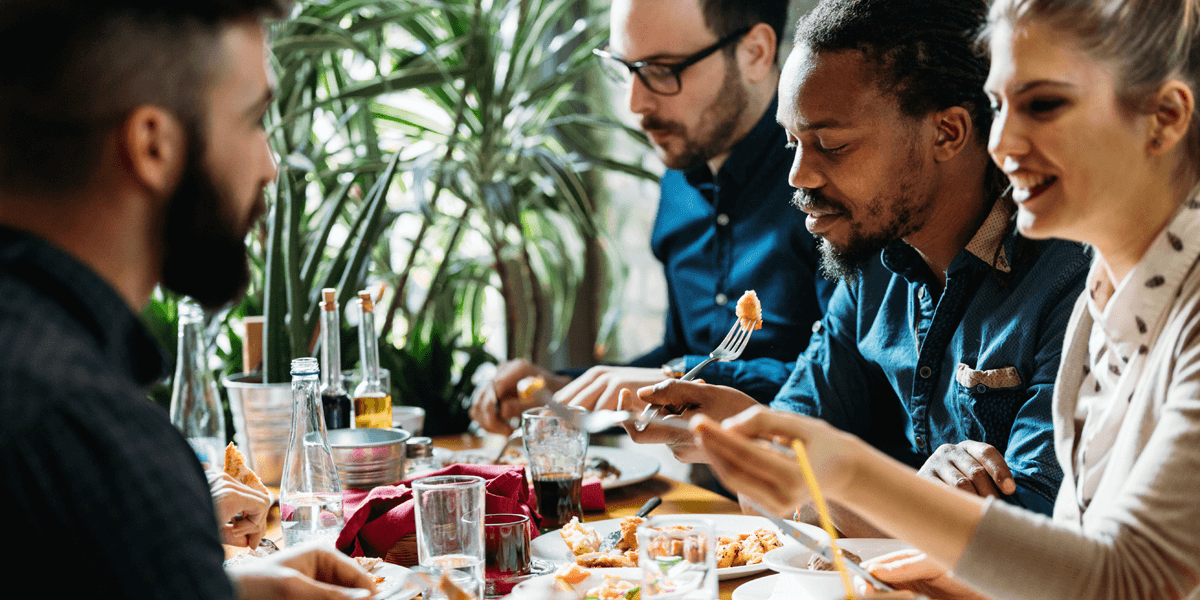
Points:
(756, 53)
(154, 145)
(952, 132)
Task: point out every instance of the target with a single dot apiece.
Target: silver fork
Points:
(729, 349)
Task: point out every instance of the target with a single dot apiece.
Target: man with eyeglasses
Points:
(701, 76)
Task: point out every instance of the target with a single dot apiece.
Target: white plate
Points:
(634, 466)
(792, 563)
(551, 547)
(546, 587)
(759, 589)
(392, 575)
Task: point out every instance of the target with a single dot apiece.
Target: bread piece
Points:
(629, 527)
(749, 311)
(581, 540)
(236, 467)
(572, 573)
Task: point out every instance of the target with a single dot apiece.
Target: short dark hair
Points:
(923, 52)
(78, 67)
(724, 17)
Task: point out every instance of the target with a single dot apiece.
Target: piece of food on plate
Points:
(572, 573)
(818, 563)
(749, 311)
(370, 564)
(608, 560)
(615, 588)
(581, 540)
(727, 554)
(629, 527)
(236, 467)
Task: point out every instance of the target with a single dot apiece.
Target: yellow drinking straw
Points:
(811, 480)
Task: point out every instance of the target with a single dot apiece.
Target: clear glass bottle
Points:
(372, 403)
(334, 400)
(195, 403)
(310, 494)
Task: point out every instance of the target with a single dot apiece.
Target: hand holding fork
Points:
(729, 349)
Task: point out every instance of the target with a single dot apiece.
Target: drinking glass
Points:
(557, 452)
(506, 552)
(678, 560)
(450, 511)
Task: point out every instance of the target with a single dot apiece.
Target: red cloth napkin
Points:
(377, 519)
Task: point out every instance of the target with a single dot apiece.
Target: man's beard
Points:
(204, 245)
(724, 113)
(901, 211)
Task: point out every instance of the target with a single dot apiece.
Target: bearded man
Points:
(132, 153)
(702, 76)
(943, 354)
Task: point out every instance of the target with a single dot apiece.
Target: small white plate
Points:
(550, 546)
(759, 589)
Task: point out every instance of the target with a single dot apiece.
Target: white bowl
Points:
(792, 561)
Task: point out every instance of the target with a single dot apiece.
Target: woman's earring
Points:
(1156, 143)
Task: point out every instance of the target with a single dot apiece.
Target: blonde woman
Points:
(1097, 129)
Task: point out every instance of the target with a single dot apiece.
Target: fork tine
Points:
(742, 342)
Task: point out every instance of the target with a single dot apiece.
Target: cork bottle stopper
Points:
(329, 297)
(367, 305)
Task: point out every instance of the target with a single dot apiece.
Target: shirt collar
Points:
(120, 336)
(1131, 313)
(746, 157)
(988, 245)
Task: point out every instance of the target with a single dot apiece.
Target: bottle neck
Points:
(368, 348)
(306, 407)
(331, 351)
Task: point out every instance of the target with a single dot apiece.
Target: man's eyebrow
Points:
(822, 124)
(256, 108)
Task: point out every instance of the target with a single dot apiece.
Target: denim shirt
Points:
(718, 237)
(908, 372)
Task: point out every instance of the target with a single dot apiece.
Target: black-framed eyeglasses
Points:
(660, 78)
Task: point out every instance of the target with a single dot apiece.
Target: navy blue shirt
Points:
(92, 468)
(718, 237)
(907, 371)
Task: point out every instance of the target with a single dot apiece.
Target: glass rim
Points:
(517, 519)
(544, 412)
(447, 481)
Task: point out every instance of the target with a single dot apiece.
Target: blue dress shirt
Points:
(908, 372)
(718, 237)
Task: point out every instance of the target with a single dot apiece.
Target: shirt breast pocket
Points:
(988, 402)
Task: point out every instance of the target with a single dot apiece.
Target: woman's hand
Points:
(913, 570)
(746, 463)
(241, 510)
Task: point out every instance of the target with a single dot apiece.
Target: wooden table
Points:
(677, 498)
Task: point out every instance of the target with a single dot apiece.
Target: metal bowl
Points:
(366, 458)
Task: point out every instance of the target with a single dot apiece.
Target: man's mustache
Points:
(653, 123)
(815, 201)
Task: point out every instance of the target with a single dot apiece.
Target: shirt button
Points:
(925, 372)
(722, 219)
(981, 388)
(920, 443)
(816, 328)
(721, 299)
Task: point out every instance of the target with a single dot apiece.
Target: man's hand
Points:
(497, 402)
(688, 398)
(970, 466)
(302, 573)
(241, 510)
(600, 387)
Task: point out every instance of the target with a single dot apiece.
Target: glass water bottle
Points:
(372, 403)
(195, 403)
(310, 494)
(334, 400)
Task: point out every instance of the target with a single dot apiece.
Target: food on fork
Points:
(236, 467)
(749, 311)
(529, 386)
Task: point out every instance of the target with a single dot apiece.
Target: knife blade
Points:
(812, 544)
